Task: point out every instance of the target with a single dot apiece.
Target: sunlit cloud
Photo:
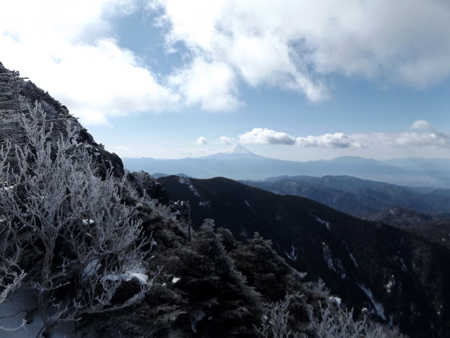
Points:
(212, 85)
(266, 136)
(429, 138)
(295, 44)
(68, 48)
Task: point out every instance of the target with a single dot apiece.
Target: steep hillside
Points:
(400, 277)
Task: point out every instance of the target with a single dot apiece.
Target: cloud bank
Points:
(429, 138)
(295, 44)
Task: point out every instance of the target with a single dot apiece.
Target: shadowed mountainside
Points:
(369, 264)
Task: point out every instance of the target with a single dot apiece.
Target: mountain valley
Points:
(368, 264)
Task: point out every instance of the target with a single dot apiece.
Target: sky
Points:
(289, 79)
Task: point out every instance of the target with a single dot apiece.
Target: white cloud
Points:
(202, 140)
(422, 124)
(122, 148)
(294, 44)
(210, 84)
(65, 48)
(430, 138)
(226, 140)
(266, 136)
(336, 140)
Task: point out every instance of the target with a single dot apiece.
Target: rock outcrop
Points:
(17, 95)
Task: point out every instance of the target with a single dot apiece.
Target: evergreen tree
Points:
(220, 302)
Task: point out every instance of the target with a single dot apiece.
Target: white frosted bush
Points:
(55, 204)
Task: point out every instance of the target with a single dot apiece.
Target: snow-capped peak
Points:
(234, 153)
(237, 149)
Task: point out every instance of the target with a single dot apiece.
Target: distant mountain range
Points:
(239, 163)
(359, 197)
(236, 152)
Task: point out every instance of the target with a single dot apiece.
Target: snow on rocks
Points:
(88, 221)
(327, 224)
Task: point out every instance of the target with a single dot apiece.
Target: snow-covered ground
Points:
(13, 312)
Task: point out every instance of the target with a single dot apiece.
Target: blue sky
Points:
(288, 79)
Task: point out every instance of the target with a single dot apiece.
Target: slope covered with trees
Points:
(399, 277)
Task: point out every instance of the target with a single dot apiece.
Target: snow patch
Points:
(353, 259)
(184, 180)
(334, 264)
(337, 300)
(175, 279)
(293, 255)
(141, 277)
(91, 268)
(323, 222)
(88, 221)
(390, 284)
(404, 268)
(135, 298)
(13, 310)
(200, 315)
(377, 306)
(135, 273)
(250, 207)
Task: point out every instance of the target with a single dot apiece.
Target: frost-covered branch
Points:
(84, 239)
(274, 320)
